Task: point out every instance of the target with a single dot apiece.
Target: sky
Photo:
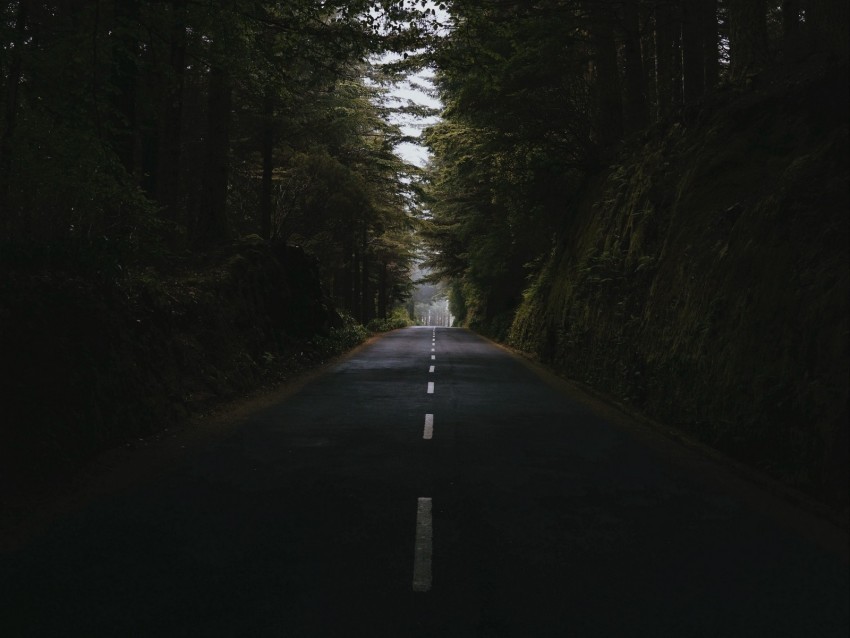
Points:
(413, 125)
(407, 90)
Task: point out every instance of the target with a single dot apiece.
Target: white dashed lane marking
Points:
(423, 546)
(424, 533)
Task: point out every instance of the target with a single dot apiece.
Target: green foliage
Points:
(457, 302)
(340, 339)
(398, 319)
(158, 127)
(137, 138)
(514, 145)
(92, 362)
(702, 279)
(83, 191)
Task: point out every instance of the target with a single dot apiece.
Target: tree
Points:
(13, 71)
(709, 33)
(827, 23)
(169, 129)
(150, 122)
(664, 60)
(747, 37)
(635, 106)
(693, 58)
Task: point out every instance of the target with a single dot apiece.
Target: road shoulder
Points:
(789, 507)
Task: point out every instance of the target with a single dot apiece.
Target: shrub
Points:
(338, 340)
(398, 319)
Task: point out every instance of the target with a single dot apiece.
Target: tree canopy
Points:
(134, 129)
(541, 95)
(137, 129)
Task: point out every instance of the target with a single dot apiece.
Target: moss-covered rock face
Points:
(705, 281)
(87, 365)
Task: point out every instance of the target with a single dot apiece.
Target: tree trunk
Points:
(609, 125)
(95, 76)
(211, 226)
(366, 307)
(356, 307)
(124, 81)
(664, 61)
(647, 43)
(348, 278)
(635, 112)
(692, 54)
(677, 95)
(711, 54)
(13, 82)
(747, 38)
(790, 19)
(266, 207)
(827, 23)
(167, 179)
(382, 290)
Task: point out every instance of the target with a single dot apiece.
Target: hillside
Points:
(703, 280)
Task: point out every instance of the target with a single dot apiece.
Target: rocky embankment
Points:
(704, 281)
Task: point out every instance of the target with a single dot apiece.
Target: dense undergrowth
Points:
(398, 319)
(93, 357)
(704, 281)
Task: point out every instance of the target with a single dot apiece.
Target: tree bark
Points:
(827, 23)
(348, 278)
(693, 71)
(366, 309)
(609, 122)
(647, 45)
(790, 19)
(356, 306)
(711, 54)
(95, 76)
(13, 82)
(124, 81)
(167, 179)
(747, 38)
(664, 61)
(382, 290)
(676, 71)
(266, 206)
(211, 226)
(635, 112)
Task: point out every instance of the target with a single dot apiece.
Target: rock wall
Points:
(705, 281)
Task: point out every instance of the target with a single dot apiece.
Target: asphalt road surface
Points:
(433, 485)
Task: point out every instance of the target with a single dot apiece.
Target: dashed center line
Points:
(433, 356)
(423, 546)
(431, 369)
(428, 432)
(430, 387)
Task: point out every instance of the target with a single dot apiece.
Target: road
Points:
(515, 509)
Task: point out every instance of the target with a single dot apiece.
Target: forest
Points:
(650, 197)
(192, 192)
(138, 131)
(196, 199)
(541, 95)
